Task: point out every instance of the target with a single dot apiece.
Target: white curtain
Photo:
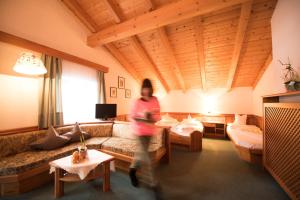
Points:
(80, 92)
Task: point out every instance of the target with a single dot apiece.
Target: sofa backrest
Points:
(96, 130)
(17, 143)
(124, 130)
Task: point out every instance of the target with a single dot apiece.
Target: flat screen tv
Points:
(106, 111)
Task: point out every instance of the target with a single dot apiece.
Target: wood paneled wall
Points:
(229, 118)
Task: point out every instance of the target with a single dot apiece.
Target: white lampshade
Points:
(29, 64)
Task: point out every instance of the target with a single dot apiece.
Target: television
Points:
(106, 111)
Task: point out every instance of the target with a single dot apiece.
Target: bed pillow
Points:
(240, 119)
(52, 141)
(75, 134)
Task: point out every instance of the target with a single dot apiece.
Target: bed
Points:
(248, 140)
(188, 133)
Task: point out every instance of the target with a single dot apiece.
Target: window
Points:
(79, 92)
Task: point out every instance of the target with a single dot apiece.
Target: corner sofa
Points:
(23, 169)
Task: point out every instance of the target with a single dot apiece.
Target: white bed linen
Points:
(248, 136)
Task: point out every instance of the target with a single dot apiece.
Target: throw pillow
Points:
(52, 141)
(75, 134)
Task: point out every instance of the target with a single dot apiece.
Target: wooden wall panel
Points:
(219, 33)
(257, 44)
(159, 56)
(182, 39)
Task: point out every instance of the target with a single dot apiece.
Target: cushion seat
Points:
(24, 161)
(126, 146)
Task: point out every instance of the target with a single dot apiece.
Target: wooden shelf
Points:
(215, 129)
(275, 98)
(290, 93)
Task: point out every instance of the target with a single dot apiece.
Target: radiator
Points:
(281, 154)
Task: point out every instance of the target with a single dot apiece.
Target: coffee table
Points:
(96, 165)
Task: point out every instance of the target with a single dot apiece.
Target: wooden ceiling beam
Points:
(238, 44)
(88, 22)
(169, 50)
(123, 61)
(198, 25)
(148, 62)
(262, 70)
(175, 69)
(174, 12)
(112, 10)
(76, 9)
(137, 47)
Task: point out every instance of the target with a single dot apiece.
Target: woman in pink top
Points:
(145, 112)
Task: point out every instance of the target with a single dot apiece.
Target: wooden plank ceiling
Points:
(214, 45)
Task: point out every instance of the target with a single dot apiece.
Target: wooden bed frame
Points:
(250, 155)
(193, 142)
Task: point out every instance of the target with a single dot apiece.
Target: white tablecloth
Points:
(93, 159)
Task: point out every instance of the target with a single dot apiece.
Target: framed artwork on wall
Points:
(121, 82)
(113, 92)
(127, 93)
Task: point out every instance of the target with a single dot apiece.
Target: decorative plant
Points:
(291, 78)
(290, 73)
(82, 142)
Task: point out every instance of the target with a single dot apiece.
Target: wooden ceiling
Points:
(183, 44)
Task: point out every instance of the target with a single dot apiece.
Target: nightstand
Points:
(214, 128)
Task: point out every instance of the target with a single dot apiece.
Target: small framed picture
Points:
(113, 92)
(127, 93)
(121, 82)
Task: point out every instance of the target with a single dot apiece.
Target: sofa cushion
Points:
(95, 142)
(76, 134)
(52, 141)
(126, 146)
(124, 130)
(18, 143)
(24, 161)
(98, 130)
(95, 130)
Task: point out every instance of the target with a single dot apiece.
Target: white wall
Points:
(286, 43)
(18, 94)
(238, 100)
(50, 23)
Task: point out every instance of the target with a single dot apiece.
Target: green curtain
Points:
(50, 103)
(101, 83)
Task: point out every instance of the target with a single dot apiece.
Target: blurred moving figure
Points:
(145, 112)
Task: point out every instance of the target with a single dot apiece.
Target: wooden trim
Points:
(169, 50)
(147, 60)
(35, 128)
(24, 43)
(171, 13)
(76, 9)
(18, 130)
(123, 61)
(262, 70)
(198, 26)
(241, 32)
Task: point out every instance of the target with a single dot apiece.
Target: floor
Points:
(215, 173)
